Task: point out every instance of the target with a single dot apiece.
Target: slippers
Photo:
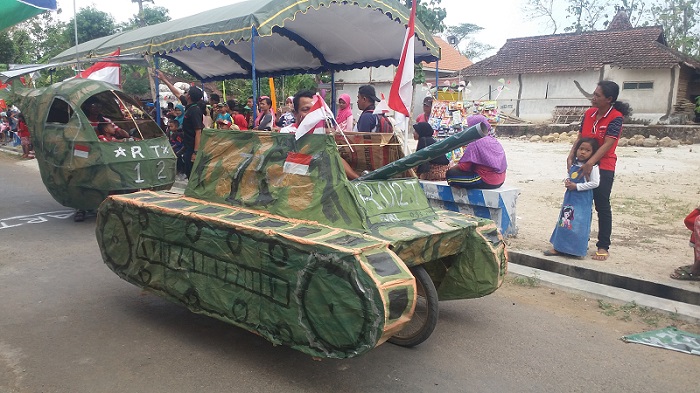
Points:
(684, 269)
(600, 256)
(551, 253)
(685, 276)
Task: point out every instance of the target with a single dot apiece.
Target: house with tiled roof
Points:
(450, 63)
(546, 74)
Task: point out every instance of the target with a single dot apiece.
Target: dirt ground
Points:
(654, 189)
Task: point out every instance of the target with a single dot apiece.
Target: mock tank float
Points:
(271, 236)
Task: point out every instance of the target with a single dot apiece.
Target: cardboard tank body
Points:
(272, 237)
(77, 169)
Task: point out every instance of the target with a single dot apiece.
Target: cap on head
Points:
(428, 101)
(195, 94)
(369, 92)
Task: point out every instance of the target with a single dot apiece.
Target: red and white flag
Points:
(315, 120)
(297, 164)
(103, 71)
(82, 151)
(401, 93)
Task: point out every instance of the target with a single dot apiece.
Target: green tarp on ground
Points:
(668, 338)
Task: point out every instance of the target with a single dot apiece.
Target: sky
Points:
(501, 19)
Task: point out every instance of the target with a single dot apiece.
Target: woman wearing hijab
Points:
(179, 112)
(434, 169)
(483, 164)
(344, 118)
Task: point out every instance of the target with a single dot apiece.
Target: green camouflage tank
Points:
(77, 169)
(272, 237)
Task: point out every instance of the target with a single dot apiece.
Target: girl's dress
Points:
(573, 229)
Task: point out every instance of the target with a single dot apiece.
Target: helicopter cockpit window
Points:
(122, 111)
(59, 112)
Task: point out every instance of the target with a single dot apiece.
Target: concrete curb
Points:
(10, 150)
(688, 312)
(609, 279)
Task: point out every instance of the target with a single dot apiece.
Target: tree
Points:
(680, 20)
(430, 14)
(542, 9)
(148, 16)
(465, 43)
(585, 14)
(92, 24)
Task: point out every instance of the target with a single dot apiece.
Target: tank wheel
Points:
(425, 317)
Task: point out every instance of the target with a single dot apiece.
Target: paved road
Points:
(68, 324)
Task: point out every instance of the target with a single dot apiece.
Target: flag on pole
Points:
(103, 71)
(315, 120)
(401, 93)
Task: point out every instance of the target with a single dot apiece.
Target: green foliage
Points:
(681, 22)
(525, 281)
(135, 80)
(92, 24)
(466, 44)
(151, 16)
(430, 14)
(584, 14)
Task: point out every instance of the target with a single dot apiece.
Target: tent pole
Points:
(156, 62)
(333, 99)
(437, 76)
(254, 33)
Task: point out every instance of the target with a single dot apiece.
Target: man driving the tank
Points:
(303, 101)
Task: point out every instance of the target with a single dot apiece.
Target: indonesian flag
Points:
(401, 93)
(297, 164)
(103, 71)
(82, 151)
(318, 113)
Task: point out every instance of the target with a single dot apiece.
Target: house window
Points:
(637, 85)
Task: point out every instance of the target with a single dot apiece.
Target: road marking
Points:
(37, 218)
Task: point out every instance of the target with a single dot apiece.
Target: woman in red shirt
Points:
(603, 122)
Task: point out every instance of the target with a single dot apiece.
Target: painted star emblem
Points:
(165, 149)
(120, 152)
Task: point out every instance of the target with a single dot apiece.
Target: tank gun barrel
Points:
(429, 153)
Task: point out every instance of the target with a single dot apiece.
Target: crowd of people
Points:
(13, 126)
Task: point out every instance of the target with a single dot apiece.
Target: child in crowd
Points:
(434, 169)
(286, 114)
(23, 134)
(4, 129)
(177, 143)
(223, 120)
(573, 229)
(691, 272)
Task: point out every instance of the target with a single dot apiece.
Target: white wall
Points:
(541, 93)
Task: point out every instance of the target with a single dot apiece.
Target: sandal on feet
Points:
(685, 276)
(600, 255)
(684, 269)
(550, 253)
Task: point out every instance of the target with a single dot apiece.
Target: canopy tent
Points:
(15, 11)
(294, 36)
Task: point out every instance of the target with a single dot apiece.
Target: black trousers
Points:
(601, 197)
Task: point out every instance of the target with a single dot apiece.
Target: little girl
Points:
(573, 229)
